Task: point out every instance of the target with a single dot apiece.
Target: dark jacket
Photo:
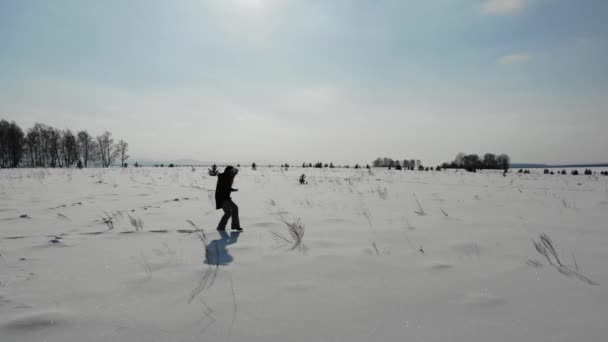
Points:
(223, 188)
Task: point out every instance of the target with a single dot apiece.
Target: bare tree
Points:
(459, 160)
(69, 148)
(106, 149)
(503, 161)
(123, 148)
(11, 144)
(84, 145)
(489, 161)
(54, 136)
(94, 153)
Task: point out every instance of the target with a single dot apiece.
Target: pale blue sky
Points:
(340, 80)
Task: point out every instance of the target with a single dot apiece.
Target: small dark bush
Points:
(574, 172)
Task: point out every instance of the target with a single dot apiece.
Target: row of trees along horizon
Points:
(470, 162)
(46, 146)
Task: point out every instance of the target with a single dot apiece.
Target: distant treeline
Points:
(390, 163)
(473, 162)
(46, 146)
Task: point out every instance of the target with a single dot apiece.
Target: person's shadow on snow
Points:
(217, 254)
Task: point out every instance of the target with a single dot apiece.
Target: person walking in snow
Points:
(223, 200)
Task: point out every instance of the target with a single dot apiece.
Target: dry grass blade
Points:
(420, 210)
(108, 220)
(137, 223)
(296, 234)
(546, 248)
(205, 282)
(208, 278)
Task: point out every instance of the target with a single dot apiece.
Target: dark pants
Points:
(230, 210)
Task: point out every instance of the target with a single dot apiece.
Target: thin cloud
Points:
(515, 58)
(502, 6)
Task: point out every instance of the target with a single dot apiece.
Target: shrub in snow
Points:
(213, 170)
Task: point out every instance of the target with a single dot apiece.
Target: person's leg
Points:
(236, 224)
(227, 208)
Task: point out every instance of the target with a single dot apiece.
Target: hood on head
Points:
(231, 170)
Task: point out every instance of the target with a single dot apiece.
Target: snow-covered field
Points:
(386, 256)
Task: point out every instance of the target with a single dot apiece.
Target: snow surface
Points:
(384, 256)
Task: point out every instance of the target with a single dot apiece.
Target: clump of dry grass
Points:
(382, 192)
(136, 223)
(545, 247)
(295, 229)
(108, 220)
(210, 274)
(420, 210)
